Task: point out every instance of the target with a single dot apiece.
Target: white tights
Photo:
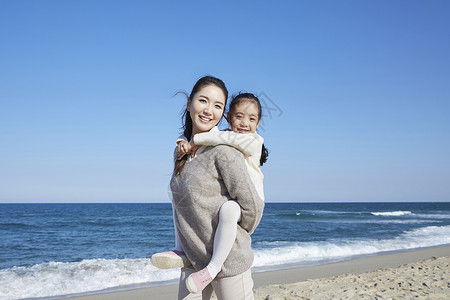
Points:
(229, 215)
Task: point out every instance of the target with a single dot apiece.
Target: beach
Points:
(419, 274)
(94, 249)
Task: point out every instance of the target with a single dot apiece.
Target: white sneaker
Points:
(170, 260)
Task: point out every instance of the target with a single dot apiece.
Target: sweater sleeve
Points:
(233, 171)
(180, 139)
(250, 144)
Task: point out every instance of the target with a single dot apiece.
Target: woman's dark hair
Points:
(249, 97)
(186, 117)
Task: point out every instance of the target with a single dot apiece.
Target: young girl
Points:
(244, 117)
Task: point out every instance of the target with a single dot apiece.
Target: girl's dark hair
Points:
(249, 97)
(186, 117)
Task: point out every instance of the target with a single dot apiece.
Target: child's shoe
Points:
(170, 260)
(197, 281)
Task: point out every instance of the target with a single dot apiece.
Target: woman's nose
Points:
(207, 110)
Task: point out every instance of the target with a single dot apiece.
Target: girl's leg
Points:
(226, 231)
(224, 238)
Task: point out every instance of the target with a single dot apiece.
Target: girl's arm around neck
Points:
(249, 144)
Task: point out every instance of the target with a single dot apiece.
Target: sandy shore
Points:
(419, 274)
(428, 279)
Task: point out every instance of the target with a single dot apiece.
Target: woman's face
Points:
(206, 108)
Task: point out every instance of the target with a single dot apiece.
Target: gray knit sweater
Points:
(216, 175)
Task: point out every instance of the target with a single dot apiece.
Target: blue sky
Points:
(357, 95)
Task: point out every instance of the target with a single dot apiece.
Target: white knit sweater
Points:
(250, 144)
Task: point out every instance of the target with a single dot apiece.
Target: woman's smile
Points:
(205, 119)
(206, 108)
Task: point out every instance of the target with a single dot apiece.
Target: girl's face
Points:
(244, 117)
(206, 108)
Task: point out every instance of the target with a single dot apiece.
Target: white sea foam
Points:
(276, 253)
(433, 216)
(391, 213)
(404, 221)
(57, 278)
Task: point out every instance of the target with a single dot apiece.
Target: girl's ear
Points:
(257, 125)
(228, 118)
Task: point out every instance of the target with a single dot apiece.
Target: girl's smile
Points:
(244, 117)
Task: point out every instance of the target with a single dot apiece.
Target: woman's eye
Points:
(202, 100)
(252, 119)
(218, 107)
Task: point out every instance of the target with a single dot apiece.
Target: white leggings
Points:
(225, 235)
(229, 215)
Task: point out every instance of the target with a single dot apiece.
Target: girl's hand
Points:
(183, 148)
(194, 147)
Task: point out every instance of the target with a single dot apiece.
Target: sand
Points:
(429, 279)
(418, 274)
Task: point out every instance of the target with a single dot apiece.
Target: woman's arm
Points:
(231, 165)
(250, 143)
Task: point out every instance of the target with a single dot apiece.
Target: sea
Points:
(61, 250)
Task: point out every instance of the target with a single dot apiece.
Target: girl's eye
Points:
(218, 107)
(252, 119)
(203, 100)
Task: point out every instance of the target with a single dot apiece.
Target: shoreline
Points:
(286, 276)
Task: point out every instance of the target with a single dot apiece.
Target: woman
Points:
(200, 186)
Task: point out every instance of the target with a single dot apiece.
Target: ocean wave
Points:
(392, 213)
(319, 214)
(333, 212)
(58, 278)
(339, 214)
(303, 253)
(433, 216)
(397, 221)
